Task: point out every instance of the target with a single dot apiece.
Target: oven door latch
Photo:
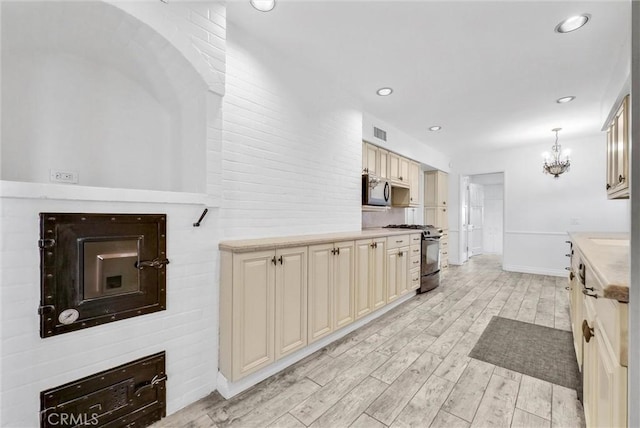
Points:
(155, 263)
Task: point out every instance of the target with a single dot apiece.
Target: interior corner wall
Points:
(292, 146)
(540, 210)
(403, 144)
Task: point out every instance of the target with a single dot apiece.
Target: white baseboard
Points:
(535, 270)
(229, 389)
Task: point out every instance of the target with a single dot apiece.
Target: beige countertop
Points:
(607, 253)
(248, 245)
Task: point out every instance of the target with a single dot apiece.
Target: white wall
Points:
(292, 149)
(75, 100)
(539, 209)
(188, 329)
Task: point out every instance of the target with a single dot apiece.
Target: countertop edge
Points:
(611, 290)
(259, 244)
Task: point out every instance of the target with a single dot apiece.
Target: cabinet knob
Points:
(608, 186)
(444, 202)
(571, 276)
(280, 260)
(587, 331)
(444, 210)
(400, 178)
(400, 254)
(620, 178)
(273, 260)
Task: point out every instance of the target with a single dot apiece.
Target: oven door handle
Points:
(431, 239)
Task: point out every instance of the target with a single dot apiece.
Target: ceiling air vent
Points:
(379, 133)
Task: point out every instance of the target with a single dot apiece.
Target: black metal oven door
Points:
(430, 256)
(99, 268)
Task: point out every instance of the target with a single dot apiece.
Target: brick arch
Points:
(182, 27)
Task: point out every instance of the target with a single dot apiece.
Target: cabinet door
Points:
(622, 150)
(363, 278)
(443, 188)
(383, 163)
(404, 170)
(253, 311)
(291, 300)
(612, 165)
(378, 273)
(344, 284)
(369, 158)
(320, 291)
(394, 167)
(392, 275)
(430, 189)
(402, 281)
(414, 183)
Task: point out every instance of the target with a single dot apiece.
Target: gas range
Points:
(428, 231)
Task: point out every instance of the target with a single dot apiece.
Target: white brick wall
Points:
(187, 330)
(292, 144)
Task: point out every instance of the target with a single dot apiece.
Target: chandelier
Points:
(552, 163)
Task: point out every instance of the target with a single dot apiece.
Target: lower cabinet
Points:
(263, 315)
(370, 277)
(599, 328)
(276, 302)
(331, 288)
(397, 272)
(604, 379)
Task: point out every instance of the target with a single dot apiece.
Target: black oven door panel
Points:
(430, 256)
(99, 268)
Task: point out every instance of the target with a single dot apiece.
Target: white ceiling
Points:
(487, 72)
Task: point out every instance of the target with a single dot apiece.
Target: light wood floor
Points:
(410, 366)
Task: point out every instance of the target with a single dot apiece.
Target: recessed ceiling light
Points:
(435, 128)
(572, 23)
(263, 5)
(565, 99)
(383, 92)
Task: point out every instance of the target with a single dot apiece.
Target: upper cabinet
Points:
(618, 143)
(436, 189)
(403, 173)
(374, 160)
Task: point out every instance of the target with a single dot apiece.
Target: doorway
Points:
(482, 202)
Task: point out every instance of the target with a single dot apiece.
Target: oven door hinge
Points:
(46, 309)
(46, 243)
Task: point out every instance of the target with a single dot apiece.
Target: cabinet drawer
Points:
(397, 241)
(414, 250)
(415, 262)
(416, 238)
(414, 281)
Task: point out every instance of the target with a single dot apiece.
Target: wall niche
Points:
(91, 90)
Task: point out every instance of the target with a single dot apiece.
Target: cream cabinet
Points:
(370, 278)
(398, 264)
(600, 334)
(383, 163)
(263, 308)
(436, 211)
(414, 183)
(331, 288)
(375, 160)
(370, 159)
(415, 255)
(436, 189)
(398, 169)
(618, 144)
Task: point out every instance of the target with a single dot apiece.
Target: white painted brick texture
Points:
(187, 330)
(291, 147)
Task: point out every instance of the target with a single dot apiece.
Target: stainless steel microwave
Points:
(375, 190)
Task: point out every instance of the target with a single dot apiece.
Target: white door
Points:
(464, 254)
(476, 218)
